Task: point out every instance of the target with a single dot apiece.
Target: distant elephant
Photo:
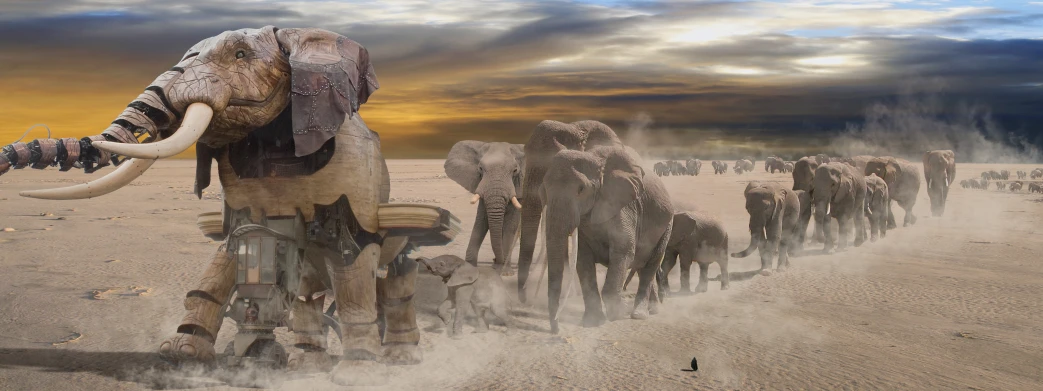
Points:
(1035, 188)
(839, 191)
(693, 166)
(995, 175)
(753, 163)
(787, 167)
(1005, 175)
(622, 218)
(774, 223)
(676, 168)
(965, 183)
(1022, 174)
(738, 167)
(803, 177)
(1016, 186)
(773, 164)
(1001, 186)
(985, 175)
(660, 169)
(719, 167)
(903, 184)
(695, 237)
(546, 141)
(983, 184)
(492, 172)
(860, 161)
(939, 169)
(1036, 174)
(878, 201)
(478, 288)
(822, 158)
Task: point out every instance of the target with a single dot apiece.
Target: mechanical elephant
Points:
(277, 110)
(493, 173)
(903, 184)
(839, 191)
(622, 219)
(939, 169)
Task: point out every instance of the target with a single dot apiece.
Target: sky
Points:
(675, 78)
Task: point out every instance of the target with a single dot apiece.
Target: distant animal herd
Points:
(1002, 181)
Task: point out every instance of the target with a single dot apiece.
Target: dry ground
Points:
(92, 287)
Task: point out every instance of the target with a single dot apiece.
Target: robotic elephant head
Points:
(223, 89)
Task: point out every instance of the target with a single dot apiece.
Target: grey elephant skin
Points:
(839, 191)
(939, 169)
(773, 164)
(547, 140)
(699, 237)
(803, 177)
(623, 219)
(878, 204)
(493, 172)
(903, 183)
(693, 166)
(479, 288)
(774, 223)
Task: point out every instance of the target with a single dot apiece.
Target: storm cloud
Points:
(715, 77)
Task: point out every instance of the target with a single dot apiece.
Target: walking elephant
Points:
(787, 167)
(878, 201)
(773, 164)
(698, 237)
(277, 109)
(492, 172)
(693, 166)
(544, 143)
(660, 169)
(676, 168)
(839, 191)
(939, 168)
(774, 223)
(743, 165)
(622, 218)
(903, 183)
(803, 177)
(719, 167)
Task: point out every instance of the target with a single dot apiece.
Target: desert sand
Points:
(90, 288)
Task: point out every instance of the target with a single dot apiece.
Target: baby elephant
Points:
(878, 202)
(481, 288)
(700, 237)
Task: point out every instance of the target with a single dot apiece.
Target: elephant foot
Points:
(766, 272)
(554, 326)
(507, 272)
(701, 288)
(653, 307)
(593, 319)
(892, 226)
(310, 362)
(724, 286)
(359, 373)
(187, 348)
(616, 312)
(781, 268)
(872, 239)
(406, 354)
(639, 314)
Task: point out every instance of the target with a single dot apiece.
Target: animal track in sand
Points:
(71, 338)
(105, 294)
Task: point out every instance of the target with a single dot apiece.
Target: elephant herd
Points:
(772, 164)
(589, 191)
(1001, 178)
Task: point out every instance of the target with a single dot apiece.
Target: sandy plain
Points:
(90, 288)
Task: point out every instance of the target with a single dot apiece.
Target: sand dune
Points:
(90, 288)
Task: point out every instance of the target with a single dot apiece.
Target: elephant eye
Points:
(240, 53)
(581, 188)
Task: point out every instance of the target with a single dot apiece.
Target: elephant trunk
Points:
(557, 233)
(530, 225)
(757, 236)
(495, 207)
(151, 115)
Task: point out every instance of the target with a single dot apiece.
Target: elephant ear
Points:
(331, 77)
(620, 185)
(893, 171)
(518, 150)
(465, 274)
(462, 164)
(684, 224)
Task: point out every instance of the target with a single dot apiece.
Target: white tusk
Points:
(514, 200)
(827, 209)
(123, 175)
(197, 119)
(474, 200)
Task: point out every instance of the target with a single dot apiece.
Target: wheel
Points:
(267, 352)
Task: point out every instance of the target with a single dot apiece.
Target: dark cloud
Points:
(455, 70)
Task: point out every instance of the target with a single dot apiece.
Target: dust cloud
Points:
(920, 120)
